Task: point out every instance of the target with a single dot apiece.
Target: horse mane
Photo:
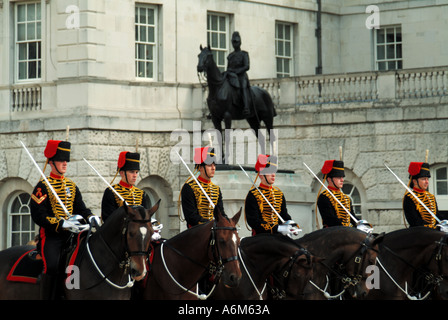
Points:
(319, 233)
(275, 236)
(408, 237)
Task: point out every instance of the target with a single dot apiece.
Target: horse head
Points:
(138, 233)
(357, 267)
(437, 268)
(204, 58)
(225, 252)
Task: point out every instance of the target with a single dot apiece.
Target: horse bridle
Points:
(122, 263)
(279, 291)
(431, 278)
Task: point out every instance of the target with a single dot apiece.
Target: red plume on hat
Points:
(414, 168)
(262, 161)
(52, 148)
(122, 159)
(327, 167)
(204, 154)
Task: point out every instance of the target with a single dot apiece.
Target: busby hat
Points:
(57, 150)
(333, 168)
(266, 164)
(419, 170)
(204, 155)
(128, 161)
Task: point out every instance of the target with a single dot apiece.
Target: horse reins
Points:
(215, 266)
(125, 263)
(431, 278)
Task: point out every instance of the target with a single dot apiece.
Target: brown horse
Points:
(107, 262)
(208, 249)
(273, 266)
(346, 254)
(412, 264)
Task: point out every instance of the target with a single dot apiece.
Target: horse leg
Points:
(228, 125)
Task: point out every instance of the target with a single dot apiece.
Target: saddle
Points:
(29, 266)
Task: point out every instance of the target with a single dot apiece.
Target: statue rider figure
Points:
(237, 65)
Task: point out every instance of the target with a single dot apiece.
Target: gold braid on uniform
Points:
(204, 207)
(132, 195)
(430, 202)
(340, 212)
(66, 191)
(274, 196)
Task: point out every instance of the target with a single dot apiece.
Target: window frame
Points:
(153, 44)
(398, 61)
(10, 216)
(219, 51)
(442, 199)
(283, 57)
(18, 59)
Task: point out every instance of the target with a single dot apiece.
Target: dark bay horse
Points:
(223, 105)
(108, 260)
(345, 252)
(273, 266)
(208, 249)
(413, 264)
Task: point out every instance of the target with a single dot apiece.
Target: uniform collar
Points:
(125, 185)
(56, 176)
(419, 190)
(266, 187)
(204, 180)
(333, 188)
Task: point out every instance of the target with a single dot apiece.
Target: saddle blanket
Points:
(27, 268)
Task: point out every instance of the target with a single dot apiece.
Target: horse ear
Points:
(237, 216)
(200, 47)
(154, 208)
(208, 46)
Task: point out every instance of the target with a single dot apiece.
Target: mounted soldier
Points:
(128, 167)
(415, 213)
(196, 207)
(332, 212)
(55, 227)
(265, 205)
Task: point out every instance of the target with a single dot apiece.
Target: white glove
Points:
(95, 220)
(289, 228)
(443, 226)
(364, 226)
(156, 236)
(74, 226)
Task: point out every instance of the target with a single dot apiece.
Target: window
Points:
(388, 48)
(283, 49)
(439, 179)
(218, 35)
(28, 41)
(146, 41)
(21, 228)
(355, 197)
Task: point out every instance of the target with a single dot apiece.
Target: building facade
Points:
(122, 75)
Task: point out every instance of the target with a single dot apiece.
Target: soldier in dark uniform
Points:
(195, 205)
(237, 66)
(415, 213)
(259, 214)
(332, 213)
(46, 211)
(128, 167)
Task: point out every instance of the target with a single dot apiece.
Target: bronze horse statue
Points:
(207, 250)
(225, 102)
(109, 260)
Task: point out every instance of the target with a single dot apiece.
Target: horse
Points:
(346, 252)
(412, 264)
(103, 265)
(223, 105)
(269, 261)
(206, 250)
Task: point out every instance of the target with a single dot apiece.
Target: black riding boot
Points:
(48, 287)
